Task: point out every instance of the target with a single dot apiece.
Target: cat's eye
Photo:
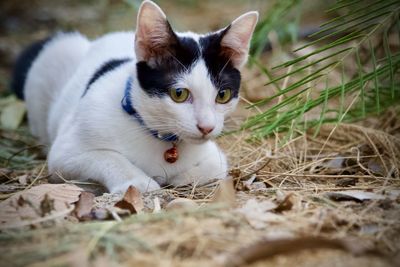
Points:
(224, 96)
(179, 95)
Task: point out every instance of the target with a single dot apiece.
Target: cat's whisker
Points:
(177, 60)
(226, 64)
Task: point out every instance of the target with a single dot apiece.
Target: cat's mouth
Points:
(197, 139)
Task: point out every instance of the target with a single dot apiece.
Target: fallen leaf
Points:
(258, 214)
(248, 182)
(157, 205)
(26, 207)
(100, 214)
(83, 206)
(376, 167)
(181, 203)
(225, 193)
(335, 163)
(12, 115)
(5, 101)
(286, 204)
(131, 201)
(355, 195)
(23, 179)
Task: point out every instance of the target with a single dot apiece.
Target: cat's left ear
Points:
(235, 43)
(154, 35)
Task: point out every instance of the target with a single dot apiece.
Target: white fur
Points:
(93, 138)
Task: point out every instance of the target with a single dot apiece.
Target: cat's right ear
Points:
(154, 35)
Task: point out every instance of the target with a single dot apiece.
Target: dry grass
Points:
(289, 182)
(304, 168)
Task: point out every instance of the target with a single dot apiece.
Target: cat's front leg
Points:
(210, 163)
(108, 167)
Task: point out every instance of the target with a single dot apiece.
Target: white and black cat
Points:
(132, 108)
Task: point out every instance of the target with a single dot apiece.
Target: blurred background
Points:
(22, 22)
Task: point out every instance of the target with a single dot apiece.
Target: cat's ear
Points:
(154, 35)
(235, 43)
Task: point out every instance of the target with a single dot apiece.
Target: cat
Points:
(135, 108)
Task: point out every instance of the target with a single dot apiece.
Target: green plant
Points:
(273, 21)
(354, 44)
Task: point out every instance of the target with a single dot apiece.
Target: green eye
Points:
(224, 96)
(179, 95)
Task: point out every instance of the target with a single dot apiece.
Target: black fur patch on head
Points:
(105, 68)
(221, 70)
(23, 65)
(157, 80)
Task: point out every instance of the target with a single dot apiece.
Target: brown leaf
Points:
(335, 163)
(258, 214)
(83, 206)
(181, 203)
(286, 204)
(225, 193)
(26, 207)
(355, 195)
(23, 179)
(100, 214)
(131, 201)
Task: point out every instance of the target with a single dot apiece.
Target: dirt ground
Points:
(326, 199)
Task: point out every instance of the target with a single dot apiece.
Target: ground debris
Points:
(37, 204)
(84, 206)
(225, 193)
(131, 201)
(181, 203)
(266, 249)
(355, 195)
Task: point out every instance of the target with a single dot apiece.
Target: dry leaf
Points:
(257, 213)
(335, 163)
(157, 205)
(131, 201)
(376, 167)
(28, 207)
(23, 179)
(356, 195)
(181, 203)
(286, 204)
(100, 214)
(12, 114)
(83, 206)
(225, 193)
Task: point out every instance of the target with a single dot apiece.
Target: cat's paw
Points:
(143, 185)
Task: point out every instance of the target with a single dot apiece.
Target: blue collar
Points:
(127, 105)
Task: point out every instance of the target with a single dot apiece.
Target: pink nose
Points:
(205, 130)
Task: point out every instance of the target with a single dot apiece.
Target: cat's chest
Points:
(150, 156)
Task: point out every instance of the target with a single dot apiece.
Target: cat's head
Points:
(188, 82)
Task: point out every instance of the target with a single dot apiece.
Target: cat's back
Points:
(46, 74)
(60, 72)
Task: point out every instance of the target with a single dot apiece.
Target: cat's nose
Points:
(205, 130)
